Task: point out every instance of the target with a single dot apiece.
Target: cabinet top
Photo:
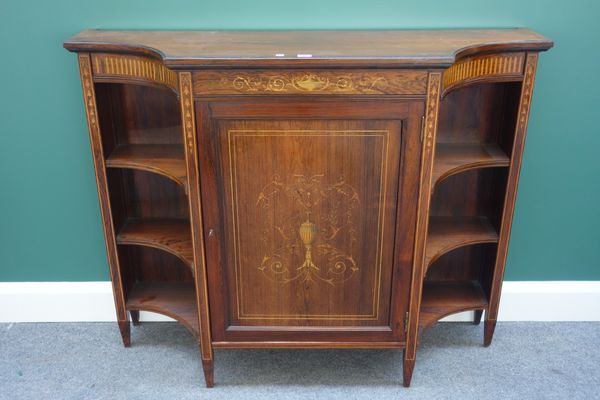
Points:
(393, 48)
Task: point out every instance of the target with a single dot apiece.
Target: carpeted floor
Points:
(87, 361)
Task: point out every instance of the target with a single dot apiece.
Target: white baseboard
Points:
(93, 302)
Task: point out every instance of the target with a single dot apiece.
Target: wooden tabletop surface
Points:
(181, 49)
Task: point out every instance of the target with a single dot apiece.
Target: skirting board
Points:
(93, 302)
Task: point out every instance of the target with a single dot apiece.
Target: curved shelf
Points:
(170, 235)
(441, 299)
(166, 160)
(175, 300)
(448, 233)
(453, 158)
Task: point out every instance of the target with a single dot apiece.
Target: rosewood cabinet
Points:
(307, 189)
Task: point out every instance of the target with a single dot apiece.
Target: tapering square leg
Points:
(135, 317)
(208, 367)
(477, 317)
(488, 331)
(125, 332)
(407, 370)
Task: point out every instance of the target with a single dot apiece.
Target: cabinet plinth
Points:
(269, 195)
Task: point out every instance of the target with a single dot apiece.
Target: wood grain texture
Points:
(191, 49)
(285, 82)
(122, 67)
(174, 300)
(308, 345)
(456, 158)
(318, 206)
(188, 118)
(172, 236)
(89, 98)
(449, 233)
(430, 124)
(166, 160)
(511, 193)
(441, 299)
(308, 160)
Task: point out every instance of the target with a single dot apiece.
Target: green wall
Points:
(49, 216)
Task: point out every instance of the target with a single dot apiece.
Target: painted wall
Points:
(49, 216)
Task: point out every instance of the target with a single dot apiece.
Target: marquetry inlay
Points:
(433, 98)
(310, 82)
(309, 227)
(133, 67)
(187, 111)
(322, 259)
(472, 69)
(527, 93)
(88, 94)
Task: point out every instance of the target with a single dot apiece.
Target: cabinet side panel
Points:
(102, 183)
(427, 156)
(188, 118)
(511, 189)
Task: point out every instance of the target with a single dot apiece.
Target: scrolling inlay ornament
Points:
(320, 232)
(122, 66)
(470, 69)
(308, 83)
(344, 82)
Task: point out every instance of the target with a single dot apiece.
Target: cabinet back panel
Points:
(469, 263)
(480, 113)
(150, 265)
(145, 195)
(477, 192)
(124, 119)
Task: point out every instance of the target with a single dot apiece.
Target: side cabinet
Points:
(309, 204)
(338, 189)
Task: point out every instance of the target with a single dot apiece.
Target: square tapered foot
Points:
(488, 332)
(477, 317)
(125, 332)
(208, 367)
(135, 317)
(407, 371)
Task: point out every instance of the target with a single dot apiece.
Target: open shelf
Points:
(166, 160)
(453, 158)
(441, 299)
(176, 300)
(449, 233)
(170, 235)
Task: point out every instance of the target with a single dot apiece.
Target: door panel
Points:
(302, 214)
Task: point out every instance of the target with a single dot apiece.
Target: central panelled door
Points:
(309, 210)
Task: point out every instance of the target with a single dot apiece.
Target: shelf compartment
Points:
(448, 233)
(453, 158)
(175, 300)
(170, 235)
(166, 160)
(441, 299)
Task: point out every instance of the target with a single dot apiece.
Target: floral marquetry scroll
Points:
(126, 67)
(319, 231)
(311, 82)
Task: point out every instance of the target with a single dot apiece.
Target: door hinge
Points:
(422, 128)
(406, 322)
